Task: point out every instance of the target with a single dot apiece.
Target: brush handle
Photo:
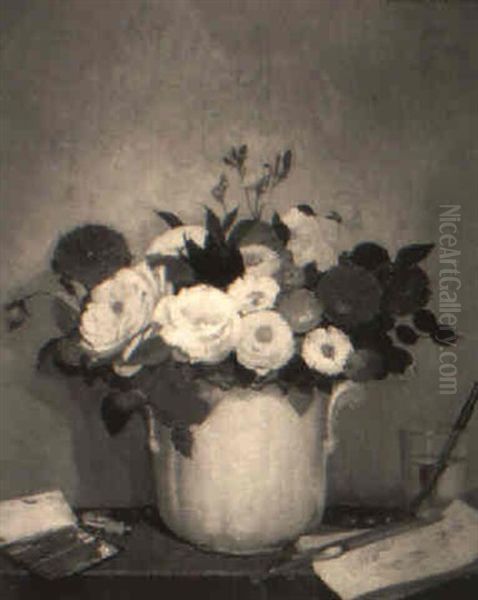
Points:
(442, 462)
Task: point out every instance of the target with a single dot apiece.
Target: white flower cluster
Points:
(203, 324)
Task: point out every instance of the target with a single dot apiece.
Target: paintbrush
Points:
(335, 549)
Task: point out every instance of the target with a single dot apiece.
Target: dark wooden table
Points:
(154, 564)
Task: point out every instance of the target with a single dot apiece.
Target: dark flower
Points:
(350, 295)
(407, 291)
(90, 253)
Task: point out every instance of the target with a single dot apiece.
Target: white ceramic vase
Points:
(257, 475)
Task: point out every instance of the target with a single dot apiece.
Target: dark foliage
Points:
(169, 218)
(413, 254)
(406, 334)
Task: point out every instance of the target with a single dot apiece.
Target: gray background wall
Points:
(113, 107)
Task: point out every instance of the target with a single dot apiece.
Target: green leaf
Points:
(46, 354)
(169, 218)
(280, 228)
(299, 400)
(152, 351)
(117, 409)
(214, 227)
(16, 313)
(66, 316)
(286, 164)
(333, 215)
(182, 439)
(218, 192)
(412, 254)
(306, 209)
(229, 219)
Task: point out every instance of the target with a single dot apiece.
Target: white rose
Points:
(266, 342)
(172, 241)
(253, 293)
(312, 239)
(260, 261)
(202, 322)
(326, 349)
(119, 308)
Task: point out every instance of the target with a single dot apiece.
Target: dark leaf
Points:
(413, 254)
(175, 395)
(300, 400)
(219, 190)
(68, 352)
(334, 216)
(213, 226)
(280, 228)
(277, 164)
(217, 264)
(369, 255)
(242, 154)
(306, 209)
(16, 313)
(444, 336)
(262, 184)
(183, 440)
(425, 321)
(229, 161)
(286, 164)
(311, 275)
(65, 316)
(117, 409)
(229, 219)
(46, 354)
(178, 270)
(406, 334)
(169, 218)
(67, 285)
(152, 351)
(365, 365)
(397, 359)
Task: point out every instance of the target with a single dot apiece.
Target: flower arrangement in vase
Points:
(233, 336)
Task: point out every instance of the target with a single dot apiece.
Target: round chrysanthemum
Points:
(407, 291)
(301, 310)
(326, 349)
(266, 342)
(252, 293)
(350, 295)
(119, 308)
(172, 242)
(202, 322)
(260, 261)
(90, 254)
(312, 238)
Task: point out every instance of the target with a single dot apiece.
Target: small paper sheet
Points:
(434, 550)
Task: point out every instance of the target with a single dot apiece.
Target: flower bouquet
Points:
(233, 334)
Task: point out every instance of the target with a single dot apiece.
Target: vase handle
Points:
(151, 430)
(339, 398)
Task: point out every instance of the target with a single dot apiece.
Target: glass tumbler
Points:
(420, 450)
